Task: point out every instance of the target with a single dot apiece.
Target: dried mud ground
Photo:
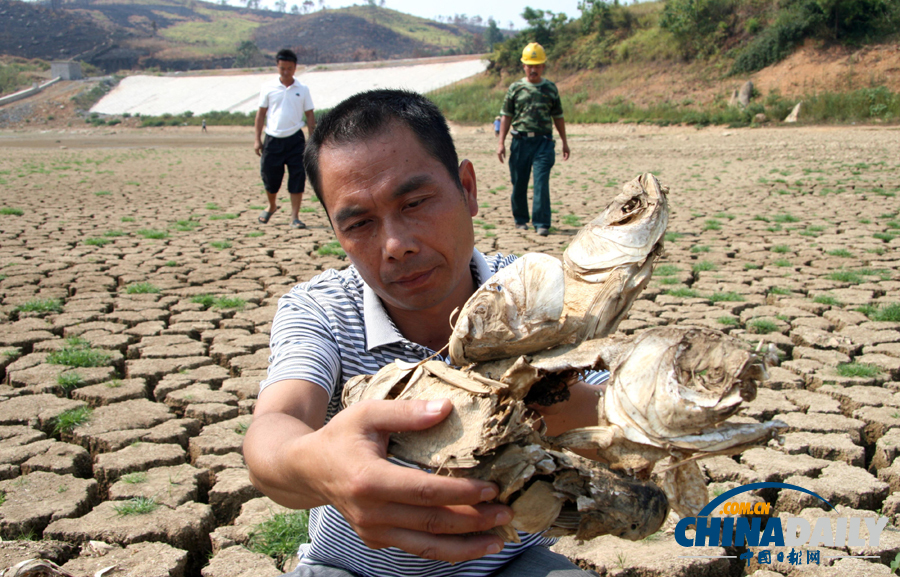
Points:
(143, 250)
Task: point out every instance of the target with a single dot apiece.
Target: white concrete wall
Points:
(156, 95)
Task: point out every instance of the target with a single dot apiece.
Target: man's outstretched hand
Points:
(395, 506)
(344, 463)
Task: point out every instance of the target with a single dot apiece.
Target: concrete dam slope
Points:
(156, 95)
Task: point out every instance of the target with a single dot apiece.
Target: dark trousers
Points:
(278, 153)
(525, 152)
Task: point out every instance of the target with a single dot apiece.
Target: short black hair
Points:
(369, 113)
(285, 54)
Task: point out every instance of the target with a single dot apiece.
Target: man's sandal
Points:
(265, 215)
(297, 224)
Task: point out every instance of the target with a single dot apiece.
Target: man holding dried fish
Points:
(385, 168)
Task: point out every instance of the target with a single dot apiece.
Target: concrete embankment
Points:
(156, 95)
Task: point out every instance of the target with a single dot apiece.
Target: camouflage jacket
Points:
(532, 106)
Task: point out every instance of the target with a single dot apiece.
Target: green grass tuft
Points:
(726, 297)
(888, 313)
(153, 234)
(841, 252)
(703, 266)
(672, 236)
(727, 321)
(666, 270)
(779, 291)
(134, 478)
(255, 234)
(171, 263)
(762, 326)
(332, 248)
(78, 355)
(209, 301)
(827, 300)
(97, 241)
(186, 225)
(280, 536)
(781, 248)
(857, 370)
(9, 211)
(69, 381)
(846, 276)
(682, 293)
(113, 233)
(712, 224)
(136, 506)
(751, 266)
(226, 216)
(785, 218)
(40, 306)
(68, 420)
(140, 288)
(699, 248)
(220, 244)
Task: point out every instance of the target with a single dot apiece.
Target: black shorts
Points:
(278, 153)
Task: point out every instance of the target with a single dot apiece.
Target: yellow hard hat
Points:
(534, 54)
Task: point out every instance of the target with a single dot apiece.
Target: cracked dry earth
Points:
(143, 250)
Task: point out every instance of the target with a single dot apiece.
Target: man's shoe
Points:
(522, 226)
(543, 231)
(297, 224)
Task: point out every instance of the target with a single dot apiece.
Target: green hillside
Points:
(191, 34)
(679, 61)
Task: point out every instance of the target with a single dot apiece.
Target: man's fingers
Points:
(395, 416)
(453, 549)
(456, 520)
(388, 482)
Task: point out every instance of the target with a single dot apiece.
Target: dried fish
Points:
(492, 435)
(539, 302)
(533, 329)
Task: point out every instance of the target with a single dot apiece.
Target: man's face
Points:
(401, 219)
(286, 70)
(534, 72)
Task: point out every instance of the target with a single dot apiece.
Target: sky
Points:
(503, 11)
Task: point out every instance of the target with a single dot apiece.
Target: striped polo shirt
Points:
(326, 331)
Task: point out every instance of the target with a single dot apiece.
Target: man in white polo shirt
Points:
(285, 107)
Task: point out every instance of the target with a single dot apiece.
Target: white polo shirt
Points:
(287, 106)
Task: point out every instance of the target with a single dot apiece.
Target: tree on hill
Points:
(280, 5)
(492, 35)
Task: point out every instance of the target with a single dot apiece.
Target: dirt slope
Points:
(809, 70)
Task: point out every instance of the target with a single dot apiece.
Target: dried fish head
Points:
(517, 311)
(673, 387)
(625, 233)
(536, 303)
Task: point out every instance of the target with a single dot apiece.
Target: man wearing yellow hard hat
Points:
(531, 108)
